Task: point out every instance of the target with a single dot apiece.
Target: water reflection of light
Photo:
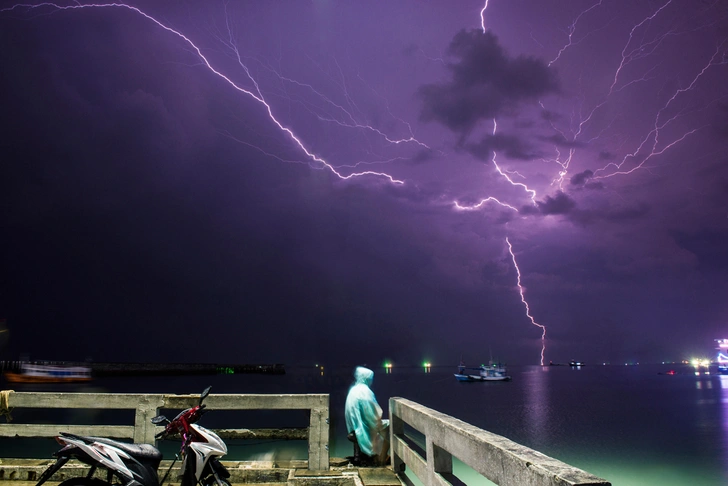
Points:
(707, 385)
(724, 409)
(537, 411)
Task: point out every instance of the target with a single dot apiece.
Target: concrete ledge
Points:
(304, 477)
(25, 472)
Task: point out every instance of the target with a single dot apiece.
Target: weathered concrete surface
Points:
(379, 476)
(147, 406)
(25, 472)
(497, 458)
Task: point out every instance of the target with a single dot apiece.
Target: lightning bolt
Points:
(571, 30)
(532, 193)
(481, 203)
(315, 161)
(522, 293)
(637, 46)
(659, 125)
(482, 16)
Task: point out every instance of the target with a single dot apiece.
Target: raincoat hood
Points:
(363, 375)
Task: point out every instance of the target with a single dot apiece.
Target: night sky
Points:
(351, 182)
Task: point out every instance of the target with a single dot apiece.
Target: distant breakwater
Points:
(127, 369)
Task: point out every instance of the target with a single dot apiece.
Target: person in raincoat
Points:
(364, 417)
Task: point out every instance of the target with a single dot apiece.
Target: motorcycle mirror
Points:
(205, 393)
(159, 419)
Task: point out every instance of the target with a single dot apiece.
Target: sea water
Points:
(631, 425)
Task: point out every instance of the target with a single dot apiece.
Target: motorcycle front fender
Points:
(189, 476)
(51, 470)
(218, 468)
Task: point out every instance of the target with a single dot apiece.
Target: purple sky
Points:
(161, 205)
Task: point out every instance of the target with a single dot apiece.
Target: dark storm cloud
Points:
(580, 178)
(561, 141)
(559, 204)
(485, 82)
(511, 146)
(583, 180)
(586, 217)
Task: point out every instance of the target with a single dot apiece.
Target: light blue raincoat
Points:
(363, 413)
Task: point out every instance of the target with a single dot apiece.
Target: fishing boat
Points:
(45, 373)
(492, 372)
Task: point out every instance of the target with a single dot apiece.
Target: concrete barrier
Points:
(498, 459)
(147, 406)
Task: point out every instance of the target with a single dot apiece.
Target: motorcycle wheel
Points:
(83, 481)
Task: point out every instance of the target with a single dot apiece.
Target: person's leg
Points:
(383, 457)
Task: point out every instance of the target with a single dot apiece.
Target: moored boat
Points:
(492, 372)
(45, 373)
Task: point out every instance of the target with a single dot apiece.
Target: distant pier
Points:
(157, 369)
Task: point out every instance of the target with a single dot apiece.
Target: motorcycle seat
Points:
(139, 451)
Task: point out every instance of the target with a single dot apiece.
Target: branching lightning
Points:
(571, 30)
(314, 160)
(659, 125)
(651, 144)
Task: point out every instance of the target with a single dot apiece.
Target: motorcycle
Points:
(136, 464)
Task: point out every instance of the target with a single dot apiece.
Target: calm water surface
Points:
(632, 425)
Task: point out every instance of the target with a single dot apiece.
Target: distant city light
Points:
(701, 363)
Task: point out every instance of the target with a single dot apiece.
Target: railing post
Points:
(396, 428)
(318, 437)
(441, 460)
(147, 408)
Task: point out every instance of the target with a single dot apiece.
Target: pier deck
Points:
(24, 472)
(423, 442)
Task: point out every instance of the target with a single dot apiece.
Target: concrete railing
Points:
(148, 405)
(500, 460)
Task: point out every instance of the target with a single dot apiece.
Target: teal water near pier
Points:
(631, 425)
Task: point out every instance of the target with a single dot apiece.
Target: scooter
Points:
(136, 464)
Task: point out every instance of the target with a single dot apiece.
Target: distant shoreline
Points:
(157, 369)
